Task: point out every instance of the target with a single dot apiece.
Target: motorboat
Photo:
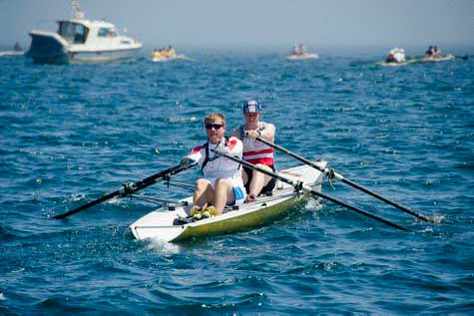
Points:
(299, 53)
(79, 40)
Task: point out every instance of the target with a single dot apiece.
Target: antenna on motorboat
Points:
(77, 13)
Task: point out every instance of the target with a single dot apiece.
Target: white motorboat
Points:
(299, 53)
(79, 40)
(161, 224)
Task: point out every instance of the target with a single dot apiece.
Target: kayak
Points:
(162, 225)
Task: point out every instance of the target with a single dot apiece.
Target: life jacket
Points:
(206, 153)
(214, 166)
(257, 152)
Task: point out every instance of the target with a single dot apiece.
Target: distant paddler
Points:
(255, 152)
(221, 183)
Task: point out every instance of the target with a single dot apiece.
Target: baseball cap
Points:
(252, 106)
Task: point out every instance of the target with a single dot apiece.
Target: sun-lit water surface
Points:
(71, 133)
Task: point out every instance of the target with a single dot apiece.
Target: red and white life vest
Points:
(256, 152)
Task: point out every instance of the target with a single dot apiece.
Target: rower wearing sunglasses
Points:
(222, 182)
(256, 152)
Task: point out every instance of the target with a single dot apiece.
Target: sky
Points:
(258, 23)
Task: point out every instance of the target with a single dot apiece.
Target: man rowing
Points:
(222, 182)
(256, 152)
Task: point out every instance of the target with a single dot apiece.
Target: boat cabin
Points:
(79, 31)
(73, 32)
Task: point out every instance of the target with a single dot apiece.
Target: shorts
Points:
(266, 190)
(238, 189)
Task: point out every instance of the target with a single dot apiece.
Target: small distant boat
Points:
(396, 56)
(299, 53)
(17, 51)
(433, 54)
(165, 54)
(79, 40)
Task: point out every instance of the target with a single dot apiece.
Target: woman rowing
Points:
(256, 152)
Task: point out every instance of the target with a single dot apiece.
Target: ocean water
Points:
(71, 133)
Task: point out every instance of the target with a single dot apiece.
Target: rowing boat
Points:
(158, 224)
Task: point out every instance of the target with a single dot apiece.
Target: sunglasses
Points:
(214, 126)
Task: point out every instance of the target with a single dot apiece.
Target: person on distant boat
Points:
(256, 152)
(17, 47)
(222, 182)
(301, 49)
(429, 51)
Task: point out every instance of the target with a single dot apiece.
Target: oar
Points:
(299, 185)
(128, 189)
(341, 178)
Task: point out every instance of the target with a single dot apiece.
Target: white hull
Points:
(164, 59)
(303, 56)
(158, 224)
(437, 59)
(11, 53)
(51, 48)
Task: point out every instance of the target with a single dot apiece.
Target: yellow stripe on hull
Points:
(244, 222)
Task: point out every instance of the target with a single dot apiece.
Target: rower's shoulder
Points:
(234, 142)
(267, 124)
(198, 148)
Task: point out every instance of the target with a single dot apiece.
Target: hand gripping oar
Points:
(299, 185)
(128, 189)
(337, 176)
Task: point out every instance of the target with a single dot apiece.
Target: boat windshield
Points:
(73, 32)
(107, 32)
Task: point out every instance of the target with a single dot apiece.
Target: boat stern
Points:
(47, 47)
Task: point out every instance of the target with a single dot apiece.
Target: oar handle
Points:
(128, 189)
(299, 185)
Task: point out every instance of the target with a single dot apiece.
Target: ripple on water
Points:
(76, 132)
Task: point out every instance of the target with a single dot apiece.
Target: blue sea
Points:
(74, 132)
